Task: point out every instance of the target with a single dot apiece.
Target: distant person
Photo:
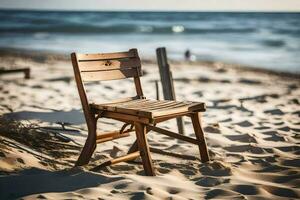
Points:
(187, 55)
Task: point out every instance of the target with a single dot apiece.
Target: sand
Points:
(252, 128)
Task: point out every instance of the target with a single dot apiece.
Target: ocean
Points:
(263, 40)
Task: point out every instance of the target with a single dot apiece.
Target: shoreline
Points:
(43, 55)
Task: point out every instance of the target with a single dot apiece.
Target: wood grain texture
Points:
(106, 65)
(151, 108)
(90, 143)
(144, 148)
(196, 120)
(105, 56)
(110, 75)
(130, 156)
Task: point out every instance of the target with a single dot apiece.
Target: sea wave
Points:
(271, 40)
(273, 43)
(122, 29)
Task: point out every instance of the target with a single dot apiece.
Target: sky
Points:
(155, 5)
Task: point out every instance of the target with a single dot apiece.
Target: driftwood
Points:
(26, 72)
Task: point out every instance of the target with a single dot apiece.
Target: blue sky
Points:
(140, 5)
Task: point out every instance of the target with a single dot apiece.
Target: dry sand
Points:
(252, 128)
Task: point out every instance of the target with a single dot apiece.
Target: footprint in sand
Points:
(121, 186)
(173, 190)
(247, 189)
(216, 169)
(248, 148)
(40, 196)
(280, 191)
(274, 112)
(212, 129)
(275, 138)
(2, 155)
(294, 101)
(208, 181)
(242, 138)
(244, 124)
(20, 160)
(221, 194)
(292, 163)
(149, 190)
(289, 148)
(198, 93)
(163, 170)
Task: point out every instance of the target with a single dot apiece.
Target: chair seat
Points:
(151, 108)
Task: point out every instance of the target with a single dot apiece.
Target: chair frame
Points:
(141, 125)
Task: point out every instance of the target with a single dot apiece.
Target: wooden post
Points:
(167, 81)
(157, 89)
(27, 73)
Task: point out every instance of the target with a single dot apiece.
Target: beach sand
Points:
(251, 124)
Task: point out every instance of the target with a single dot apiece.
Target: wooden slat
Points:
(174, 135)
(160, 119)
(151, 108)
(180, 109)
(129, 111)
(104, 137)
(144, 104)
(165, 106)
(110, 75)
(126, 110)
(116, 101)
(126, 117)
(130, 156)
(105, 56)
(137, 102)
(176, 155)
(140, 109)
(160, 111)
(112, 106)
(147, 102)
(106, 65)
(136, 112)
(172, 107)
(113, 137)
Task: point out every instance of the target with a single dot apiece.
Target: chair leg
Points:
(134, 147)
(89, 147)
(140, 130)
(196, 120)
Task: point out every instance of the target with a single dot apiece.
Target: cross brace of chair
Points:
(133, 152)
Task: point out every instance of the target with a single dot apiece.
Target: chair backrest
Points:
(103, 67)
(108, 66)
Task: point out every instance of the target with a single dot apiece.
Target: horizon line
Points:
(147, 10)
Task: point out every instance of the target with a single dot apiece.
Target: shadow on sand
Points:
(36, 181)
(73, 116)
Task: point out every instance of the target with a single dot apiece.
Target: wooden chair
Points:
(138, 113)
